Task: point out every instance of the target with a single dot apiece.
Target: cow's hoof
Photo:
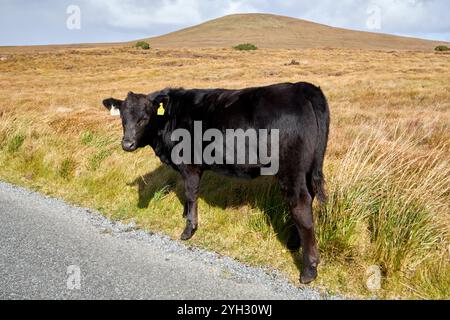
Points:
(188, 233)
(293, 243)
(309, 274)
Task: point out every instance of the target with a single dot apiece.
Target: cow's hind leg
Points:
(191, 176)
(300, 200)
(294, 242)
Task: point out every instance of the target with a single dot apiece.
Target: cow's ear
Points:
(158, 97)
(111, 102)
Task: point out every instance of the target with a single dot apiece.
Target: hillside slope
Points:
(272, 31)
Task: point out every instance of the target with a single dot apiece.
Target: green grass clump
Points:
(86, 137)
(442, 48)
(16, 142)
(245, 47)
(96, 140)
(67, 168)
(98, 157)
(142, 45)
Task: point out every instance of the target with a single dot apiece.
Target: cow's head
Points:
(138, 113)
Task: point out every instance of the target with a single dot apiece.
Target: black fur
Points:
(299, 110)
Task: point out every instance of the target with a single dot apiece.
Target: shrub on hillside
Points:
(442, 48)
(246, 47)
(142, 45)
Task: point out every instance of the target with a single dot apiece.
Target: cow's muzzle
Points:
(129, 146)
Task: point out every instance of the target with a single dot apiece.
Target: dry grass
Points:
(387, 163)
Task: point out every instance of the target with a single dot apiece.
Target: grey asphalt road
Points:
(51, 250)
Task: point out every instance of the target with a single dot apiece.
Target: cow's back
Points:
(281, 106)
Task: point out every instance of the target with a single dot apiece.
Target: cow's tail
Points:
(322, 113)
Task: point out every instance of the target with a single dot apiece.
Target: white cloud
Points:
(405, 16)
(232, 7)
(130, 14)
(134, 14)
(120, 20)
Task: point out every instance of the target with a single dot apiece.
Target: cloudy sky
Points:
(24, 22)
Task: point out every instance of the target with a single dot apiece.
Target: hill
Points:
(272, 31)
(263, 30)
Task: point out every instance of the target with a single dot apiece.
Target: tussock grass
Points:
(389, 205)
(15, 142)
(387, 163)
(67, 168)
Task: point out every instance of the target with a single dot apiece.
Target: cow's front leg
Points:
(191, 176)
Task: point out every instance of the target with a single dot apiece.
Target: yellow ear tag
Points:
(161, 110)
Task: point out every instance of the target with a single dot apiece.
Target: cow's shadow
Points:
(223, 192)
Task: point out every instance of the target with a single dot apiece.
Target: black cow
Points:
(298, 110)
